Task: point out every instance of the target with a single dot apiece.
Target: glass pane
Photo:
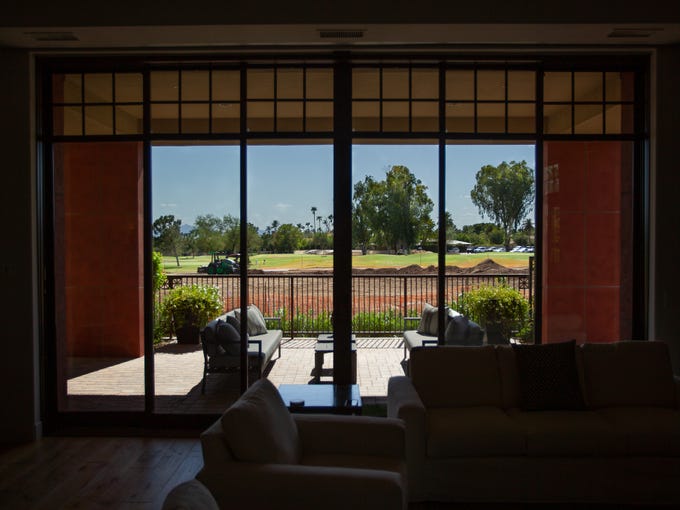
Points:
(521, 85)
(474, 235)
(460, 118)
(491, 117)
(319, 116)
(289, 116)
(425, 116)
(98, 120)
(98, 88)
(490, 85)
(521, 118)
(128, 87)
(619, 119)
(620, 86)
(557, 86)
(587, 86)
(294, 230)
(365, 115)
(226, 117)
(68, 120)
(165, 118)
(557, 119)
(365, 83)
(195, 118)
(395, 116)
(395, 249)
(289, 84)
(164, 85)
(395, 83)
(196, 230)
(260, 84)
(588, 119)
(129, 119)
(226, 85)
(425, 83)
(67, 88)
(460, 85)
(319, 83)
(587, 241)
(260, 116)
(195, 85)
(99, 325)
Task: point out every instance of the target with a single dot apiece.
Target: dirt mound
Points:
(487, 266)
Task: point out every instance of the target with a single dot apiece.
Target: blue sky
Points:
(284, 182)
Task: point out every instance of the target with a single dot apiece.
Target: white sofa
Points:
(470, 437)
(259, 455)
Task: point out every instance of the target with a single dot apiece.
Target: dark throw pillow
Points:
(231, 319)
(457, 331)
(228, 338)
(548, 380)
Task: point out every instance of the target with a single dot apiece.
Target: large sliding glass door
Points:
(235, 161)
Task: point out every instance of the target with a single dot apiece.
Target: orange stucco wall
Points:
(587, 241)
(99, 249)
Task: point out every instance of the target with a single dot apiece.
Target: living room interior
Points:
(44, 39)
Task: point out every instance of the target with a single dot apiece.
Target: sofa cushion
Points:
(645, 430)
(462, 331)
(455, 376)
(231, 319)
(628, 374)
(259, 428)
(567, 433)
(228, 338)
(256, 322)
(414, 339)
(472, 432)
(548, 379)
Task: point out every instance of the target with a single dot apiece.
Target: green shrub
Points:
(192, 305)
(158, 271)
(498, 308)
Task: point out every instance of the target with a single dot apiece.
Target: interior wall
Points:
(666, 250)
(18, 344)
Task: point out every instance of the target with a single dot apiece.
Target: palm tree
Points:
(314, 215)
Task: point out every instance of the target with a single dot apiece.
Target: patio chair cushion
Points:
(548, 379)
(256, 322)
(228, 338)
(429, 319)
(260, 427)
(462, 331)
(212, 346)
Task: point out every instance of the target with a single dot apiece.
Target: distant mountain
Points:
(185, 229)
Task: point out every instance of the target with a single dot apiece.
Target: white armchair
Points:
(258, 455)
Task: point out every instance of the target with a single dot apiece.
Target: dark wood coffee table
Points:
(324, 345)
(322, 398)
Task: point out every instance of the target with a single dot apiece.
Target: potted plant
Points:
(501, 310)
(191, 307)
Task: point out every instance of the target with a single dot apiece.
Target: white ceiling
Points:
(425, 35)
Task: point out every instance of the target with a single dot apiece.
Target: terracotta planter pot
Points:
(188, 335)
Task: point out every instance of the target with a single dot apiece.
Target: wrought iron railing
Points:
(380, 302)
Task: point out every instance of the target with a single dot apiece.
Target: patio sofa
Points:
(596, 423)
(459, 330)
(221, 342)
(259, 455)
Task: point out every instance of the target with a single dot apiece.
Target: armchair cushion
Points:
(260, 427)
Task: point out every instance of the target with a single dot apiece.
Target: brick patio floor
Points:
(118, 384)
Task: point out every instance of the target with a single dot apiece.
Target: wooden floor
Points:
(134, 473)
(96, 472)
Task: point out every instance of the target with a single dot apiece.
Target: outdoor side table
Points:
(322, 398)
(324, 345)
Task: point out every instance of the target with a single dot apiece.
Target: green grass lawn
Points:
(287, 261)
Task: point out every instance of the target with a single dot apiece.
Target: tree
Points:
(286, 239)
(504, 194)
(314, 217)
(167, 236)
(395, 212)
